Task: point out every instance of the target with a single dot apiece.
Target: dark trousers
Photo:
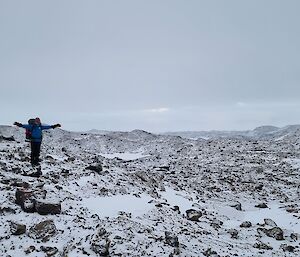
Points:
(35, 152)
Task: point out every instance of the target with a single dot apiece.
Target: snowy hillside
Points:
(140, 194)
(263, 132)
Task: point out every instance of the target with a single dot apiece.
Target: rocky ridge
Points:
(204, 197)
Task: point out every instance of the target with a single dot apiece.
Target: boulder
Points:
(100, 242)
(275, 232)
(17, 229)
(262, 246)
(25, 199)
(270, 222)
(193, 215)
(43, 230)
(246, 224)
(49, 251)
(44, 208)
(237, 206)
(101, 246)
(97, 168)
(287, 248)
(234, 233)
(262, 205)
(171, 239)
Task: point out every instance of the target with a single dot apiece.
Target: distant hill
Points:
(262, 132)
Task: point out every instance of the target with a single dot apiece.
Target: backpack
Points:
(28, 132)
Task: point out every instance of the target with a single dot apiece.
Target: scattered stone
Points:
(259, 187)
(270, 222)
(210, 253)
(262, 205)
(97, 168)
(216, 224)
(100, 243)
(237, 206)
(4, 210)
(47, 208)
(193, 215)
(30, 249)
(50, 251)
(171, 239)
(295, 236)
(234, 233)
(287, 248)
(262, 246)
(275, 232)
(176, 208)
(11, 138)
(43, 230)
(246, 224)
(101, 246)
(17, 229)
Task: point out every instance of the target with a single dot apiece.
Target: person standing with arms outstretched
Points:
(36, 135)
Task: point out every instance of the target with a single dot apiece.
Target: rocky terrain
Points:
(141, 194)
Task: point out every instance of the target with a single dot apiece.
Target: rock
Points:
(50, 251)
(176, 208)
(234, 233)
(101, 246)
(22, 194)
(259, 187)
(210, 253)
(30, 249)
(216, 224)
(246, 224)
(270, 222)
(17, 229)
(275, 232)
(4, 210)
(287, 248)
(193, 215)
(237, 206)
(262, 246)
(11, 138)
(171, 239)
(43, 230)
(97, 168)
(100, 243)
(295, 236)
(47, 208)
(262, 205)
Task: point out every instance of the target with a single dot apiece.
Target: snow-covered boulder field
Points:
(141, 194)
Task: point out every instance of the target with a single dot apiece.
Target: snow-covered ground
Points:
(139, 194)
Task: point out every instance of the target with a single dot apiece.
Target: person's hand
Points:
(18, 124)
(56, 126)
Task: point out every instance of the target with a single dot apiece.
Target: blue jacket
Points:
(36, 131)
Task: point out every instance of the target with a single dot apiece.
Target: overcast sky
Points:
(159, 65)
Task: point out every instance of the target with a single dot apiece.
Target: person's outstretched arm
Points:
(21, 125)
(18, 124)
(50, 127)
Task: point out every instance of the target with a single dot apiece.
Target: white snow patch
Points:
(127, 156)
(110, 206)
(282, 218)
(178, 198)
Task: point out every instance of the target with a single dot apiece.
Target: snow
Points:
(110, 206)
(127, 156)
(275, 212)
(178, 198)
